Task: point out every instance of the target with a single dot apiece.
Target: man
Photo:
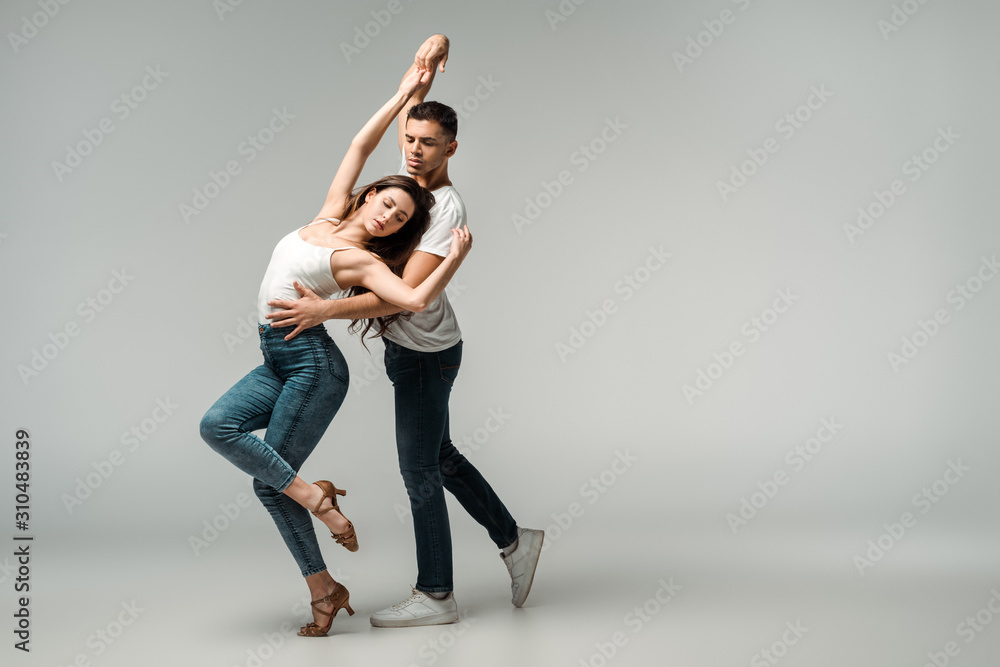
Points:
(422, 358)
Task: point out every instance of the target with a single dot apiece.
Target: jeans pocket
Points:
(449, 373)
(335, 359)
(449, 361)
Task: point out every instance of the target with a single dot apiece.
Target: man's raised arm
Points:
(431, 56)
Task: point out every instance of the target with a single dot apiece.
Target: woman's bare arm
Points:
(365, 270)
(364, 144)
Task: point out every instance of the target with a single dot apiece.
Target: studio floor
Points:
(681, 594)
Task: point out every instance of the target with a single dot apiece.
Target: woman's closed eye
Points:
(388, 204)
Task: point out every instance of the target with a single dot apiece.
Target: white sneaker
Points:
(418, 609)
(521, 563)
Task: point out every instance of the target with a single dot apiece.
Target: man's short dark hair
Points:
(442, 114)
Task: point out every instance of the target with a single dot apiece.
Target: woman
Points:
(300, 386)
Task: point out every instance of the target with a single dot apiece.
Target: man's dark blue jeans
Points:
(430, 462)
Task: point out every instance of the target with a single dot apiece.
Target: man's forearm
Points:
(429, 56)
(360, 307)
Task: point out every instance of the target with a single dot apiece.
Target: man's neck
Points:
(432, 180)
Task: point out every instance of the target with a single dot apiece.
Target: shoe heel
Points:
(341, 492)
(347, 606)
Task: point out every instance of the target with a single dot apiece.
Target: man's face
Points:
(425, 146)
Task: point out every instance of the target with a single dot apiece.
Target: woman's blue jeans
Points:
(430, 462)
(294, 394)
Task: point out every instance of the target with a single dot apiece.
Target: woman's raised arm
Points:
(364, 144)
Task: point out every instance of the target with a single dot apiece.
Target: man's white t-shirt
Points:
(436, 328)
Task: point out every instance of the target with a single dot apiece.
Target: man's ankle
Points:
(438, 595)
(510, 548)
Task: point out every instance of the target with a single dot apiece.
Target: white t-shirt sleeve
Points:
(447, 214)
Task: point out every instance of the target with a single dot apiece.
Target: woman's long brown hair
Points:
(393, 250)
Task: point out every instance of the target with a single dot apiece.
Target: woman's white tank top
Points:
(296, 259)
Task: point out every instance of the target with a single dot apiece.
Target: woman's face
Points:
(387, 211)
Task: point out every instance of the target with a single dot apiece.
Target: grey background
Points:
(174, 333)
